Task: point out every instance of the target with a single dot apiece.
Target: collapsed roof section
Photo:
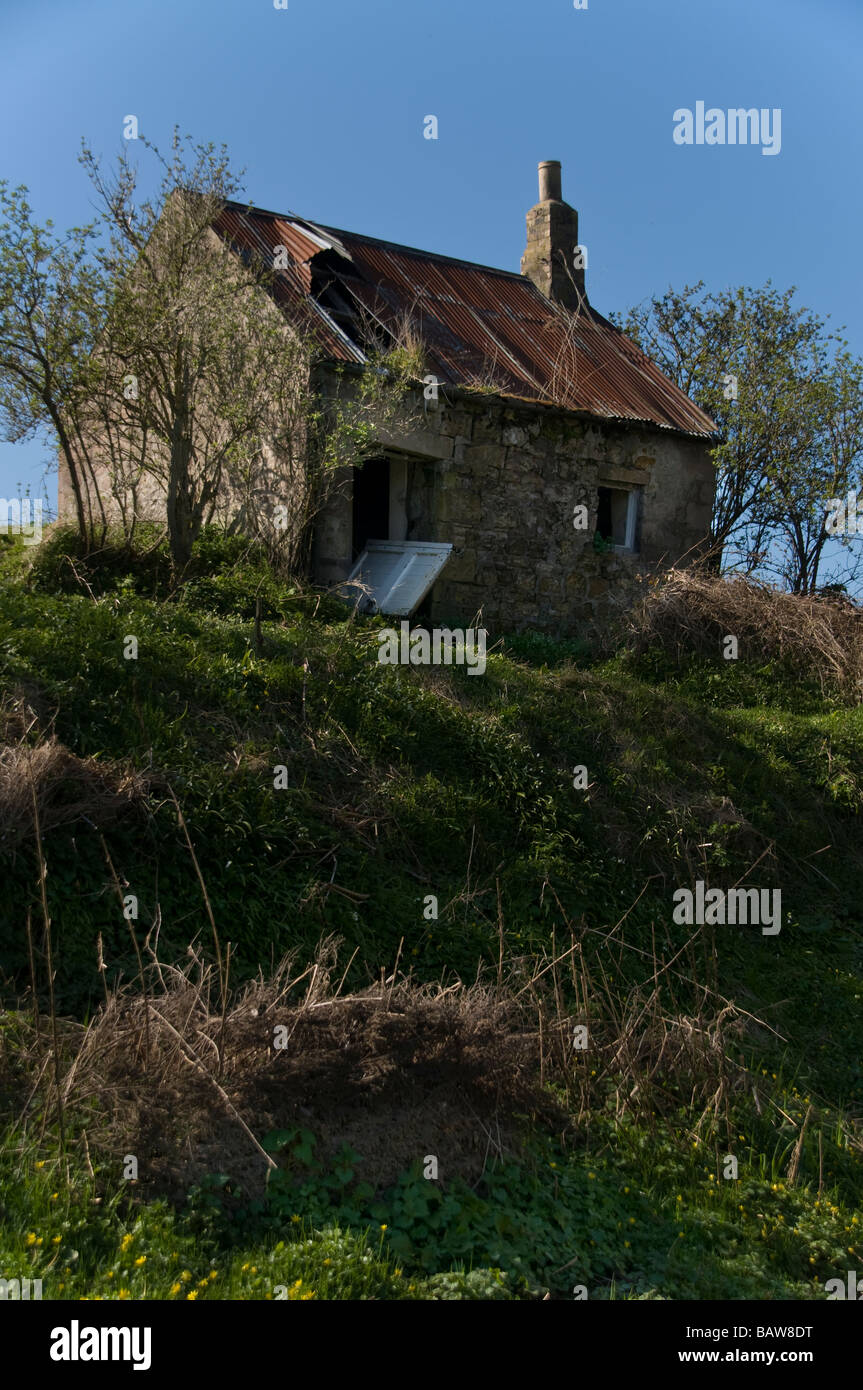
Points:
(479, 327)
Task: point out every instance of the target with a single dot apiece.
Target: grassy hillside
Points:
(414, 1035)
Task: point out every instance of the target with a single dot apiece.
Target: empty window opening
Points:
(371, 520)
(617, 516)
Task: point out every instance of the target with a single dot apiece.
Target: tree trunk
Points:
(72, 468)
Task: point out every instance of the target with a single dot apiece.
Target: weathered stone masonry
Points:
(500, 481)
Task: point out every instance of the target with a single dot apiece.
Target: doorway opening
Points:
(371, 504)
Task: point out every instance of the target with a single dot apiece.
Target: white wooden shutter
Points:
(398, 574)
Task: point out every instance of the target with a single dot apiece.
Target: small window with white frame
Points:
(618, 516)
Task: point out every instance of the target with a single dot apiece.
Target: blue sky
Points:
(323, 104)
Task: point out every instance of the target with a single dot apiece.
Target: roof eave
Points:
(533, 403)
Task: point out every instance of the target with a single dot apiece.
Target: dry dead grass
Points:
(68, 788)
(397, 1070)
(820, 638)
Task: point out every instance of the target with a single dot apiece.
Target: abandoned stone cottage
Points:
(555, 462)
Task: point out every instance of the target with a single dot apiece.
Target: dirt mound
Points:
(398, 1071)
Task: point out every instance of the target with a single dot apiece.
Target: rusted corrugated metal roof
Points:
(479, 326)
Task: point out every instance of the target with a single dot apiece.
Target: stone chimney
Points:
(550, 259)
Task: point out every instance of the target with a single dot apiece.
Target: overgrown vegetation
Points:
(160, 354)
(786, 394)
(410, 1035)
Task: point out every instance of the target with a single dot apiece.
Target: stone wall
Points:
(501, 482)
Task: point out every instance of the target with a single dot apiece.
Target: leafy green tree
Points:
(207, 387)
(52, 296)
(786, 396)
(201, 381)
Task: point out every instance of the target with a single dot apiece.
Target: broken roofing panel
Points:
(480, 326)
(393, 577)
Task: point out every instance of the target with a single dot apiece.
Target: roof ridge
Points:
(253, 210)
